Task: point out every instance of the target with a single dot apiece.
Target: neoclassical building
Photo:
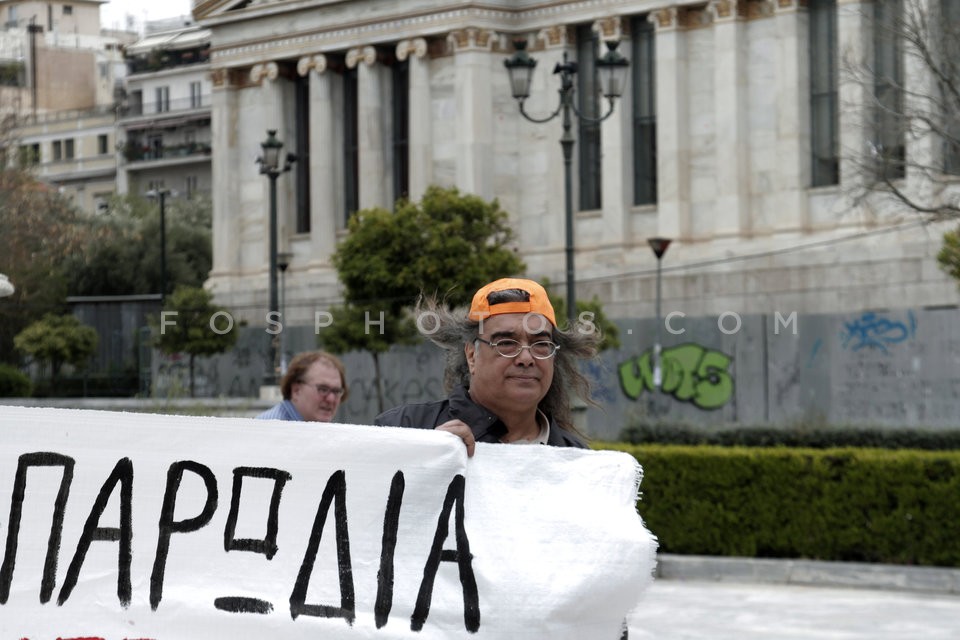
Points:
(738, 137)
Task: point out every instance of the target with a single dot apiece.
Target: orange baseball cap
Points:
(485, 303)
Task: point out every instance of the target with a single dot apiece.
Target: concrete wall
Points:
(895, 368)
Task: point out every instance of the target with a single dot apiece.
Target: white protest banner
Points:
(138, 526)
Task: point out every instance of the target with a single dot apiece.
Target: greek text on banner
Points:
(123, 526)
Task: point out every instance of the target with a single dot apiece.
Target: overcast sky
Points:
(113, 14)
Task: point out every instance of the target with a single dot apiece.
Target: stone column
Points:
(542, 207)
(227, 200)
(616, 142)
(266, 75)
(854, 47)
(323, 160)
(274, 107)
(420, 140)
(474, 110)
(673, 126)
(732, 168)
(791, 171)
(373, 177)
(924, 153)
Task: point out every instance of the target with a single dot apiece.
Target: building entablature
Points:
(339, 27)
(239, 39)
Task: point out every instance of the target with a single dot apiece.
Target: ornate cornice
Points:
(366, 54)
(316, 62)
(666, 19)
(416, 47)
(384, 29)
(218, 78)
(610, 28)
(268, 70)
(725, 9)
(693, 17)
(554, 36)
(233, 78)
(472, 39)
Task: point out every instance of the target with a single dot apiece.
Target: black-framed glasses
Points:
(541, 350)
(324, 390)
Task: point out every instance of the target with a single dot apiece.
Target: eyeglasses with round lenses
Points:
(324, 390)
(541, 350)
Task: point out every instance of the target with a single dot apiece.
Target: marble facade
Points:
(733, 152)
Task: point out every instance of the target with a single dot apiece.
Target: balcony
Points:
(158, 60)
(135, 109)
(135, 152)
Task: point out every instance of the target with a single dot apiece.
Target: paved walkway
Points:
(696, 610)
(729, 599)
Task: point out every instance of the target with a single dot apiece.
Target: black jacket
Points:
(486, 426)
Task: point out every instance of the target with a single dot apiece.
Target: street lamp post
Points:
(612, 68)
(659, 246)
(283, 261)
(271, 166)
(161, 196)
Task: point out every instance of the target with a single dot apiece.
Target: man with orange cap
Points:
(510, 369)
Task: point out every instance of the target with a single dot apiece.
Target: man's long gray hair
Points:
(451, 330)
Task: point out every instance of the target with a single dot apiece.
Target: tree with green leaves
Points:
(57, 340)
(200, 328)
(949, 254)
(41, 232)
(449, 244)
(125, 257)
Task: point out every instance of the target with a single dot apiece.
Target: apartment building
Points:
(58, 76)
(74, 151)
(163, 124)
(95, 112)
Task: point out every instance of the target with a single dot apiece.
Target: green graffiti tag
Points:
(691, 373)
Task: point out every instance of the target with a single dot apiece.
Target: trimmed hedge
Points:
(864, 505)
(121, 385)
(800, 436)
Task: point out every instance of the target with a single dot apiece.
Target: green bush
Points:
(116, 385)
(865, 505)
(13, 383)
(799, 436)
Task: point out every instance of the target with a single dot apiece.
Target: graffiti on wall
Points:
(598, 375)
(691, 373)
(241, 379)
(875, 331)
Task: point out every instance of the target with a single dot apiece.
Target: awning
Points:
(170, 41)
(148, 44)
(189, 40)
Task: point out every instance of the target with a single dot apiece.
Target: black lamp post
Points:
(659, 246)
(612, 68)
(161, 196)
(283, 261)
(270, 166)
